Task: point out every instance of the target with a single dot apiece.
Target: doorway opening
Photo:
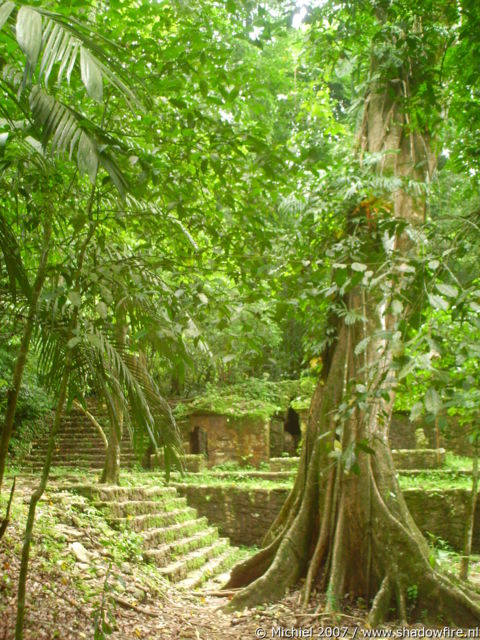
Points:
(199, 441)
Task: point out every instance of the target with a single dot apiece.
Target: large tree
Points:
(345, 524)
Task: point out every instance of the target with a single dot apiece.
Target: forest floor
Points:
(110, 594)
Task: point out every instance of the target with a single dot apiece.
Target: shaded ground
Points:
(85, 576)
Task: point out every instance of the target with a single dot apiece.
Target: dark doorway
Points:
(198, 441)
(292, 426)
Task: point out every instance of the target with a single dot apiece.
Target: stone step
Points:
(79, 448)
(182, 546)
(260, 475)
(284, 464)
(154, 520)
(168, 552)
(179, 569)
(77, 445)
(129, 508)
(73, 464)
(436, 473)
(158, 536)
(116, 493)
(89, 442)
(215, 572)
(66, 456)
(79, 457)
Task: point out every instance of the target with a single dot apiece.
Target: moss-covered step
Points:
(156, 536)
(180, 569)
(418, 458)
(78, 444)
(192, 462)
(216, 572)
(174, 537)
(170, 551)
(402, 459)
(284, 464)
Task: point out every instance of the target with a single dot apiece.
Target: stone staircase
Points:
(182, 545)
(78, 445)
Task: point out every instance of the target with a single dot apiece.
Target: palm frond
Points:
(48, 38)
(114, 372)
(13, 261)
(149, 409)
(66, 132)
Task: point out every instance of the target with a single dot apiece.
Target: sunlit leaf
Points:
(29, 33)
(91, 75)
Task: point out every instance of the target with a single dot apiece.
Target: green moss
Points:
(254, 398)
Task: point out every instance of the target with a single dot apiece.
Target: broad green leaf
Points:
(358, 266)
(102, 310)
(73, 342)
(5, 11)
(438, 302)
(29, 33)
(447, 290)
(94, 340)
(416, 411)
(363, 446)
(397, 307)
(75, 298)
(433, 402)
(362, 345)
(91, 75)
(87, 157)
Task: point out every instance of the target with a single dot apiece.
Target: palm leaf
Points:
(66, 131)
(47, 38)
(113, 372)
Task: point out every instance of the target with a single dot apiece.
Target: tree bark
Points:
(12, 393)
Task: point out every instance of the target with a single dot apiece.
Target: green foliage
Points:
(255, 398)
(34, 404)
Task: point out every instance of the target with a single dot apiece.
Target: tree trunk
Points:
(12, 393)
(36, 495)
(346, 526)
(111, 468)
(470, 518)
(62, 396)
(351, 533)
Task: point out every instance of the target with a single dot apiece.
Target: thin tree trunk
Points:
(111, 469)
(6, 520)
(470, 519)
(12, 393)
(94, 422)
(62, 395)
(37, 494)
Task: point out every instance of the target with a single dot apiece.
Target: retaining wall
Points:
(244, 514)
